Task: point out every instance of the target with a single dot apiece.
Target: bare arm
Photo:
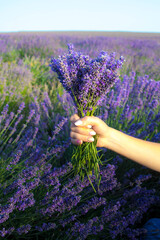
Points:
(143, 152)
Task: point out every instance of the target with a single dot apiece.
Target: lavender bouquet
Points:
(87, 81)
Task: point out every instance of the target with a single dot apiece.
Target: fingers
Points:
(80, 128)
(84, 138)
(85, 121)
(83, 130)
(81, 134)
(74, 118)
(76, 141)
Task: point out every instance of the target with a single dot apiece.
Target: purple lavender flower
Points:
(93, 203)
(24, 229)
(16, 158)
(8, 121)
(59, 127)
(21, 107)
(32, 112)
(87, 80)
(29, 172)
(157, 118)
(37, 119)
(108, 180)
(109, 212)
(46, 227)
(82, 231)
(67, 220)
(3, 232)
(156, 138)
(4, 113)
(30, 142)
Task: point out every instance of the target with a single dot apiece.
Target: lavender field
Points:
(40, 196)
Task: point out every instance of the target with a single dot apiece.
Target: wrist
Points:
(112, 139)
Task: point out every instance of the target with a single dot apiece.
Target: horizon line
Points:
(120, 31)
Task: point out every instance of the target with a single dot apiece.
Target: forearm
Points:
(143, 152)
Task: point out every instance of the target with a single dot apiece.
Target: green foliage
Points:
(11, 56)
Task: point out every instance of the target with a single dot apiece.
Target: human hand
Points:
(82, 132)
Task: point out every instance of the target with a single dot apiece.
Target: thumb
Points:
(90, 122)
(74, 118)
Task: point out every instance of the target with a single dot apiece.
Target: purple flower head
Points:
(21, 107)
(87, 80)
(16, 157)
(4, 113)
(24, 229)
(46, 227)
(32, 112)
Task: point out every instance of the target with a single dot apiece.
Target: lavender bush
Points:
(40, 197)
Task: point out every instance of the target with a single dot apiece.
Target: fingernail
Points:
(79, 141)
(79, 122)
(92, 133)
(90, 139)
(89, 126)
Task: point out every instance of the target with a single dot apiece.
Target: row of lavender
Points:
(40, 196)
(141, 51)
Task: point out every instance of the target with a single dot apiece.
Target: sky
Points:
(80, 15)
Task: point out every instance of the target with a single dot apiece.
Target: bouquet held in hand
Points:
(87, 81)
